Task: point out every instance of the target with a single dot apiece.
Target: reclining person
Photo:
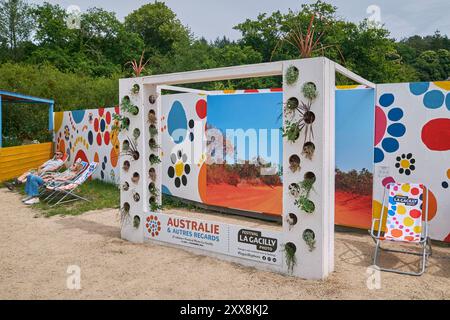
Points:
(34, 182)
(49, 166)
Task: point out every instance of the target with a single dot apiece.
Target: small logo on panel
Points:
(254, 238)
(153, 225)
(406, 201)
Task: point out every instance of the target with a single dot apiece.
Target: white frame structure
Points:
(315, 264)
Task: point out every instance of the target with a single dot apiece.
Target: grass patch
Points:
(101, 195)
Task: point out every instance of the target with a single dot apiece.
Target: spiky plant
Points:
(138, 67)
(153, 131)
(309, 90)
(132, 150)
(154, 159)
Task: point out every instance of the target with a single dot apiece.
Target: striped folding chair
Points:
(65, 192)
(406, 222)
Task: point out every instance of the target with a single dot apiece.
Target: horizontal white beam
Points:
(182, 89)
(236, 72)
(353, 76)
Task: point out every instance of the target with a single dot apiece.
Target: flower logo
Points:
(153, 225)
(405, 164)
(179, 168)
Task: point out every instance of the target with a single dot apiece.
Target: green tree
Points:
(158, 26)
(16, 25)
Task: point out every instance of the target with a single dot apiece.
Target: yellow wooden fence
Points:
(16, 160)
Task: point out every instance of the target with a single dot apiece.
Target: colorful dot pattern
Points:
(404, 219)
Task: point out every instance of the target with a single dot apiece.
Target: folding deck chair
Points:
(405, 223)
(66, 190)
(43, 189)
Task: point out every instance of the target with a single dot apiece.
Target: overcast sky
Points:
(216, 18)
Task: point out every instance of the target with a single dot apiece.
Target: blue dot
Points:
(418, 88)
(395, 114)
(90, 137)
(447, 101)
(78, 116)
(177, 122)
(102, 125)
(378, 155)
(391, 213)
(387, 99)
(433, 99)
(396, 130)
(445, 184)
(390, 145)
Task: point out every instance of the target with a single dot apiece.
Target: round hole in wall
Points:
(294, 162)
(136, 221)
(126, 99)
(309, 90)
(135, 155)
(135, 89)
(309, 117)
(153, 159)
(136, 197)
(126, 122)
(294, 189)
(125, 145)
(292, 219)
(136, 133)
(308, 150)
(152, 188)
(290, 247)
(135, 111)
(126, 165)
(153, 131)
(291, 75)
(307, 205)
(152, 200)
(125, 186)
(152, 144)
(152, 174)
(310, 176)
(126, 207)
(152, 117)
(292, 104)
(310, 238)
(152, 99)
(135, 178)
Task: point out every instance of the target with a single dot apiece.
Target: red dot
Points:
(415, 213)
(201, 108)
(436, 135)
(414, 191)
(101, 111)
(106, 137)
(96, 124)
(108, 117)
(99, 139)
(117, 109)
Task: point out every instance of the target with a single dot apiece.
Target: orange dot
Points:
(448, 173)
(397, 233)
(409, 238)
(432, 205)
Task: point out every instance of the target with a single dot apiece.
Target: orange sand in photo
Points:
(353, 210)
(263, 199)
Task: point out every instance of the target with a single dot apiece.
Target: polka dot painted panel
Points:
(404, 219)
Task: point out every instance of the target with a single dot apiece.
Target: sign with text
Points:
(246, 243)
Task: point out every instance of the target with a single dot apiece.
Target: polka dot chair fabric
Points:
(404, 219)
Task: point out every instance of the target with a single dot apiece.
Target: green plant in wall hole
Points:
(309, 90)
(127, 106)
(154, 159)
(291, 75)
(121, 123)
(124, 213)
(154, 206)
(289, 253)
(291, 131)
(309, 238)
(303, 202)
(153, 131)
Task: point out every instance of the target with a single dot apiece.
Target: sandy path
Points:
(35, 254)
